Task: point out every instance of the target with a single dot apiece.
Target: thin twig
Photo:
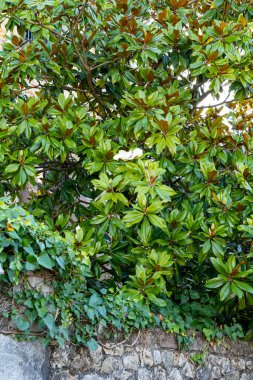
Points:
(224, 102)
(111, 346)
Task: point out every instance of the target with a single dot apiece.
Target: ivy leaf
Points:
(45, 261)
(21, 324)
(92, 344)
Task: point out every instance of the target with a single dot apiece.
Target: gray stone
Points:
(215, 360)
(238, 364)
(199, 343)
(147, 357)
(167, 358)
(21, 360)
(30, 361)
(117, 351)
(175, 375)
(216, 373)
(157, 357)
(126, 375)
(203, 373)
(165, 340)
(77, 363)
(60, 357)
(249, 364)
(92, 376)
(64, 375)
(96, 358)
(179, 359)
(225, 365)
(159, 373)
(112, 365)
(234, 375)
(188, 370)
(145, 374)
(131, 361)
(39, 283)
(246, 376)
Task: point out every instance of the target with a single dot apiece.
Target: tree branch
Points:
(221, 103)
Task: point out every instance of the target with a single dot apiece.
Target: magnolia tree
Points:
(104, 122)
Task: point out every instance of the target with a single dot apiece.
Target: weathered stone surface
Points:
(225, 365)
(131, 361)
(165, 340)
(238, 364)
(179, 359)
(188, 371)
(246, 376)
(203, 373)
(39, 283)
(249, 364)
(117, 351)
(147, 357)
(235, 375)
(160, 373)
(216, 373)
(112, 365)
(144, 374)
(167, 359)
(64, 375)
(157, 357)
(96, 358)
(21, 360)
(93, 376)
(175, 375)
(126, 375)
(141, 359)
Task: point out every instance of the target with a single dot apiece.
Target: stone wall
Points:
(147, 356)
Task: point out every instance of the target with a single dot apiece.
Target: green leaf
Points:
(156, 300)
(49, 321)
(21, 324)
(217, 3)
(215, 282)
(219, 266)
(157, 221)
(12, 168)
(225, 291)
(92, 344)
(244, 286)
(45, 261)
(133, 217)
(236, 290)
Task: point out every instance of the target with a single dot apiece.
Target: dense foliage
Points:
(55, 295)
(102, 125)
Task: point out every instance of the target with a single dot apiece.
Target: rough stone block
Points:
(145, 374)
(167, 359)
(157, 357)
(165, 340)
(21, 360)
(235, 375)
(112, 365)
(238, 364)
(131, 361)
(188, 371)
(159, 373)
(147, 358)
(179, 359)
(175, 375)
